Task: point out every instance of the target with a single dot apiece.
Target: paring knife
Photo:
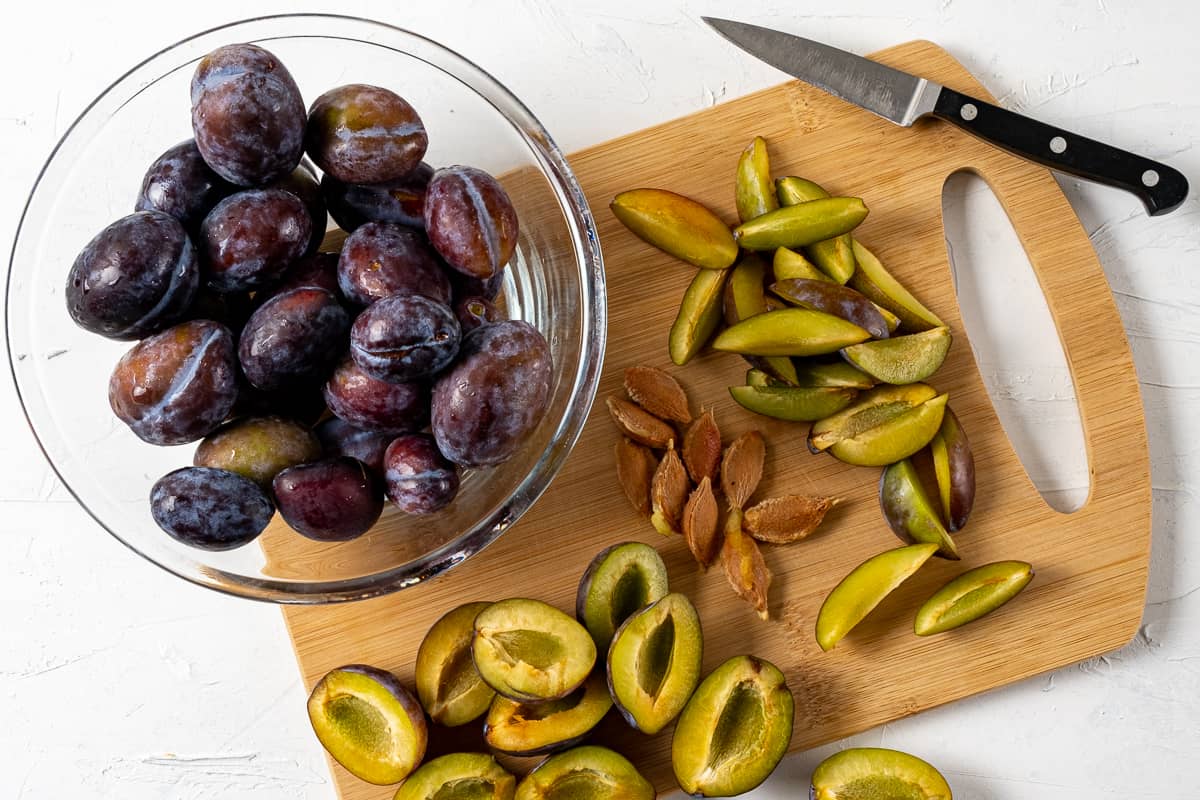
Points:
(902, 98)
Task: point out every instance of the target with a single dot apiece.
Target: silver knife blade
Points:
(892, 94)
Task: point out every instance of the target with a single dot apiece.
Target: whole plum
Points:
(475, 312)
(176, 386)
(252, 237)
(404, 337)
(401, 201)
(179, 183)
(417, 477)
(137, 276)
(302, 182)
(247, 115)
(340, 438)
(294, 339)
(212, 509)
(494, 395)
(372, 404)
(258, 448)
(333, 500)
(364, 134)
(470, 220)
(382, 258)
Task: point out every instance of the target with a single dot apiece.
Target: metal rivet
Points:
(1150, 178)
(1058, 145)
(968, 111)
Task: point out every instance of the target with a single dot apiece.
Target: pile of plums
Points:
(250, 335)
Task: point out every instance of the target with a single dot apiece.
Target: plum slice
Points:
(734, 730)
(459, 776)
(861, 772)
(448, 684)
(654, 662)
(369, 723)
(908, 510)
(585, 772)
(529, 650)
(531, 729)
(620, 580)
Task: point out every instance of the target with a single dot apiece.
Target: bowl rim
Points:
(585, 381)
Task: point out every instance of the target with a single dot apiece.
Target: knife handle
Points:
(1161, 188)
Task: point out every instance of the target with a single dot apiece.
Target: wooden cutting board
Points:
(1091, 565)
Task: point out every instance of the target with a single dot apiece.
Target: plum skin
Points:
(334, 500)
(419, 479)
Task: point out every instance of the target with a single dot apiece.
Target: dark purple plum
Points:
(319, 270)
(180, 184)
(469, 286)
(401, 201)
(304, 404)
(474, 312)
(176, 386)
(404, 337)
(333, 500)
(494, 395)
(208, 508)
(470, 220)
(382, 258)
(417, 477)
(364, 134)
(372, 404)
(293, 340)
(340, 438)
(302, 182)
(247, 115)
(136, 277)
(252, 237)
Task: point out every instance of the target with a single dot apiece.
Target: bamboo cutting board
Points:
(1091, 565)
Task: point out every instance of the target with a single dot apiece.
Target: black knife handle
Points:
(1160, 187)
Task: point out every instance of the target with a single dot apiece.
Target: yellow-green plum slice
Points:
(654, 662)
(864, 588)
(529, 650)
(973, 594)
(369, 723)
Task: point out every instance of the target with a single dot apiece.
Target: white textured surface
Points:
(119, 681)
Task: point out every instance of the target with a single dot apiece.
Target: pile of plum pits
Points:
(394, 348)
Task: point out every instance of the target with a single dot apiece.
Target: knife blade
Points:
(902, 99)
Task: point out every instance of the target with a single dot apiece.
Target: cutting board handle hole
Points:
(1015, 341)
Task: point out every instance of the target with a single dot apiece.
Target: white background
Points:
(117, 680)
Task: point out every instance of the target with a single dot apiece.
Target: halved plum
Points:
(459, 776)
(534, 729)
(873, 772)
(654, 662)
(448, 684)
(529, 650)
(734, 730)
(369, 723)
(620, 580)
(585, 773)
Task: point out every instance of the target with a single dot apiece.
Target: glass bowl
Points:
(555, 282)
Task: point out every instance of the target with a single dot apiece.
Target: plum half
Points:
(529, 650)
(734, 730)
(654, 662)
(584, 773)
(459, 776)
(620, 580)
(448, 684)
(863, 772)
(532, 729)
(369, 723)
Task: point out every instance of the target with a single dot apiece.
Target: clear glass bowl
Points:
(555, 282)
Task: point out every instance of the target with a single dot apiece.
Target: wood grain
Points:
(1091, 565)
